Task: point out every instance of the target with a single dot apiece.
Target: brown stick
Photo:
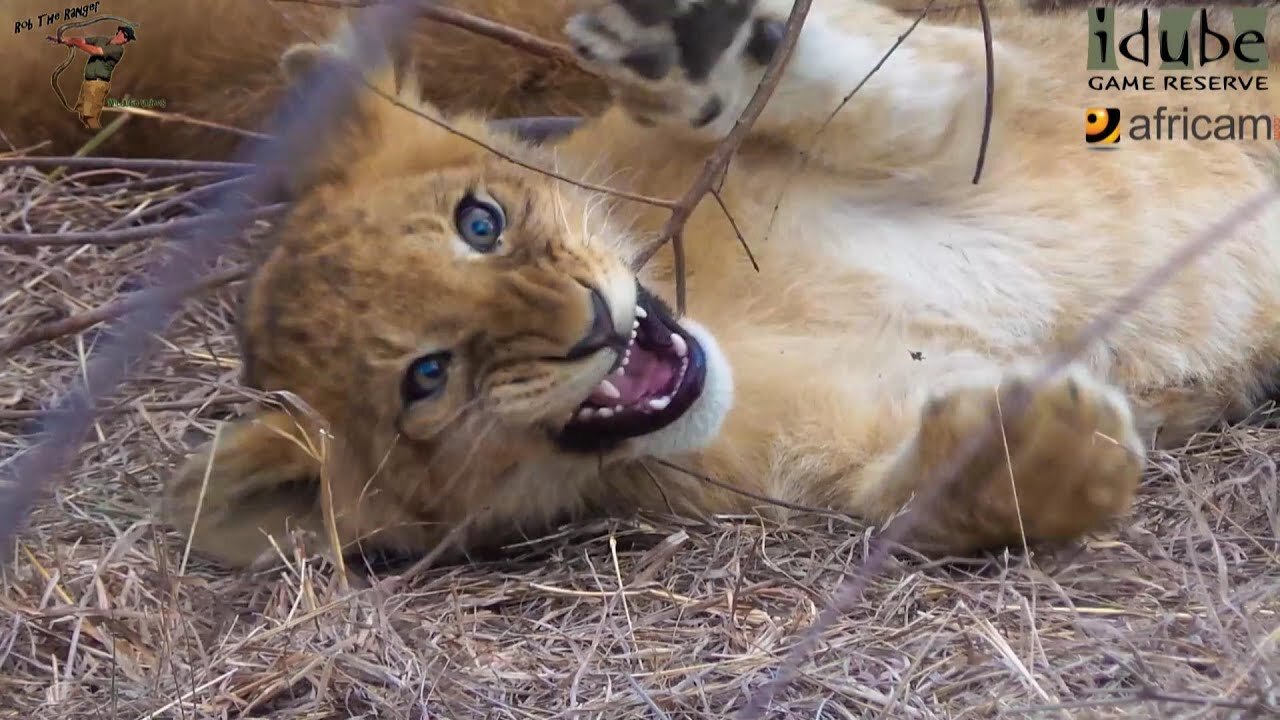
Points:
(125, 163)
(518, 39)
(152, 231)
(673, 230)
(83, 321)
(121, 408)
(990, 96)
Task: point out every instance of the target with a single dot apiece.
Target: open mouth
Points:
(658, 378)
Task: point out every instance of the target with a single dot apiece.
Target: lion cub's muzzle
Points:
(659, 374)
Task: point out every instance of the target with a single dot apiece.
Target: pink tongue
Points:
(645, 376)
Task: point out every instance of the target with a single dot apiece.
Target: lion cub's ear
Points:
(381, 128)
(257, 480)
(342, 95)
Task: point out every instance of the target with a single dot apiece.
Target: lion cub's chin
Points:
(700, 424)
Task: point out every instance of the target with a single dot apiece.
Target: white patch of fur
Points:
(701, 423)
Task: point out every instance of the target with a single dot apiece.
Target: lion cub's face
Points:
(471, 318)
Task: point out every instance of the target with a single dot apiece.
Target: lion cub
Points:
(480, 358)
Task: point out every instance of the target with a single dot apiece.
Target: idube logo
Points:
(1183, 39)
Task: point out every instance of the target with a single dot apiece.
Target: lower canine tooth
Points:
(607, 389)
(681, 347)
(660, 403)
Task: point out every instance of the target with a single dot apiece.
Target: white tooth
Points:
(660, 403)
(635, 325)
(607, 389)
(621, 370)
(633, 336)
(682, 348)
(617, 408)
(586, 414)
(640, 313)
(605, 413)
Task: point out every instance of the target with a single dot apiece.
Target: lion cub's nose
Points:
(602, 333)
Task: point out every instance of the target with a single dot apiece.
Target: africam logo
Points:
(104, 53)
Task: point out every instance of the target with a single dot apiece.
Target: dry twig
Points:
(504, 34)
(673, 230)
(118, 308)
(172, 230)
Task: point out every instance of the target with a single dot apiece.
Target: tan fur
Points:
(216, 60)
(898, 306)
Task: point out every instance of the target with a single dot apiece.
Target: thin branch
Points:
(125, 163)
(152, 231)
(673, 230)
(990, 108)
(645, 199)
(125, 407)
(179, 200)
(754, 496)
(803, 160)
(83, 321)
(742, 240)
(167, 116)
(518, 39)
(1146, 695)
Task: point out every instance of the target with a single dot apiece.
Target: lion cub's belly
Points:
(924, 276)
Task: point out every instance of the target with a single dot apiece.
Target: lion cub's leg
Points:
(1045, 462)
(254, 482)
(241, 495)
(691, 66)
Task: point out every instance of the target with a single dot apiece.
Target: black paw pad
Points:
(709, 112)
(583, 51)
(766, 38)
(651, 63)
(706, 31)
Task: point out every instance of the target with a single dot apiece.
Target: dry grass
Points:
(1175, 614)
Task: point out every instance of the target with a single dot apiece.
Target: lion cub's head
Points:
(469, 331)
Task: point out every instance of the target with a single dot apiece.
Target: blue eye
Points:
(430, 369)
(480, 223)
(426, 376)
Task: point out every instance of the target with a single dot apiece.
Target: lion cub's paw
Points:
(690, 64)
(1064, 458)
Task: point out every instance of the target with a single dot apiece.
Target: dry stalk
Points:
(172, 230)
(507, 35)
(117, 308)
